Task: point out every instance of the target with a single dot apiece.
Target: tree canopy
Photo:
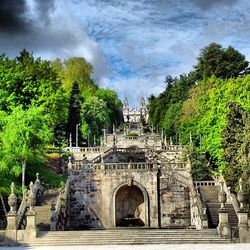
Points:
(221, 62)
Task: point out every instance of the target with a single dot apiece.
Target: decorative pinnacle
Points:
(31, 186)
(37, 176)
(240, 184)
(12, 187)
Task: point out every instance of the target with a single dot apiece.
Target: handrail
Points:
(24, 206)
(22, 209)
(79, 166)
(59, 212)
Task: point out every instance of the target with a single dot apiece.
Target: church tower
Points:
(125, 110)
(143, 109)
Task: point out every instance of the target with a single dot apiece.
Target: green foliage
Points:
(220, 62)
(74, 111)
(204, 113)
(94, 116)
(75, 69)
(236, 144)
(25, 81)
(114, 105)
(25, 134)
(199, 163)
(132, 134)
(164, 110)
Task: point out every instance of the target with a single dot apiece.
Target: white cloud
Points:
(133, 45)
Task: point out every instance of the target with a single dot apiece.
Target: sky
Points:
(132, 44)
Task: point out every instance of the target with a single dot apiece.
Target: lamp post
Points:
(77, 125)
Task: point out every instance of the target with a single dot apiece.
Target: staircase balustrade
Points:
(23, 208)
(59, 212)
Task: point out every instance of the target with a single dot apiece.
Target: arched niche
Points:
(130, 205)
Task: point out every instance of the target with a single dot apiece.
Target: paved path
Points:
(143, 247)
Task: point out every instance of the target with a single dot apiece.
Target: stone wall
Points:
(97, 199)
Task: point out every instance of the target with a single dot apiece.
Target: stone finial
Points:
(171, 142)
(241, 195)
(70, 163)
(222, 195)
(37, 182)
(31, 197)
(188, 165)
(12, 200)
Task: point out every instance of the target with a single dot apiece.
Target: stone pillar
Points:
(30, 230)
(223, 228)
(244, 232)
(11, 230)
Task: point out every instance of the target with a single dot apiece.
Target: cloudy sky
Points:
(132, 44)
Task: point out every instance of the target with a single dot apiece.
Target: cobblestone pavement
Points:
(142, 247)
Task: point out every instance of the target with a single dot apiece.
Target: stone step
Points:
(127, 236)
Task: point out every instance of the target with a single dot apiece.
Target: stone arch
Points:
(144, 208)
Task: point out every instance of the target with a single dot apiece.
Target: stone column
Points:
(244, 233)
(223, 228)
(11, 230)
(30, 230)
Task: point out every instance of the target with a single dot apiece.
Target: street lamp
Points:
(77, 125)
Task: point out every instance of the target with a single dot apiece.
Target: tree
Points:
(94, 116)
(75, 104)
(199, 162)
(75, 69)
(220, 62)
(236, 149)
(26, 81)
(24, 135)
(114, 106)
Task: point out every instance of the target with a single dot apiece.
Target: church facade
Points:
(135, 115)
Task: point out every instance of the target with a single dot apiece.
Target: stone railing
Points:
(22, 210)
(113, 166)
(86, 149)
(205, 183)
(172, 147)
(59, 211)
(78, 166)
(21, 221)
(104, 154)
(230, 197)
(198, 210)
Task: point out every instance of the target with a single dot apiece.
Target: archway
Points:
(130, 206)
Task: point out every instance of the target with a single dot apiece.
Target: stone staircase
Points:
(43, 212)
(127, 236)
(209, 195)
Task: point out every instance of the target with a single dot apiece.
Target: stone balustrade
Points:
(86, 149)
(142, 166)
(205, 183)
(173, 147)
(59, 210)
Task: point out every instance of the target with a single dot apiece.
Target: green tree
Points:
(25, 134)
(114, 106)
(76, 69)
(94, 116)
(26, 81)
(220, 62)
(235, 148)
(74, 111)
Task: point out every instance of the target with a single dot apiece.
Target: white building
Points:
(135, 115)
